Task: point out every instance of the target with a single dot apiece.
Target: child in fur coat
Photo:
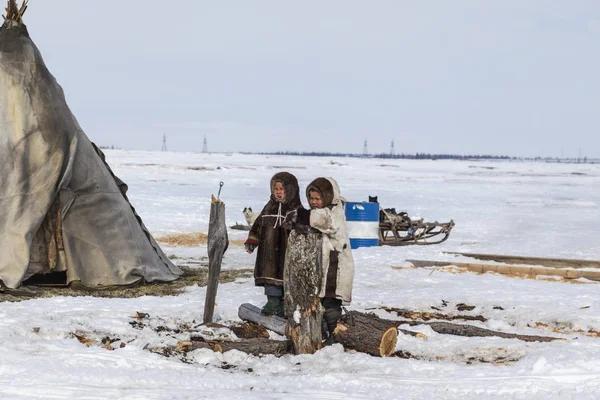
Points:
(327, 216)
(270, 237)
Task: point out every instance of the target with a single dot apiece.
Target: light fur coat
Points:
(331, 221)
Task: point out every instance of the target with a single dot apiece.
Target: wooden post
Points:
(217, 245)
(302, 279)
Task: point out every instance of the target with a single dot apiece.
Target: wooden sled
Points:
(400, 230)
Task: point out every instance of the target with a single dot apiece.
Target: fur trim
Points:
(290, 185)
(324, 187)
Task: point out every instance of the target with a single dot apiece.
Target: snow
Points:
(518, 208)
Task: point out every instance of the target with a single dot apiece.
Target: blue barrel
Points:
(363, 224)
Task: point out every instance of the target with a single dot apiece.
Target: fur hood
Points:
(331, 221)
(290, 185)
(328, 188)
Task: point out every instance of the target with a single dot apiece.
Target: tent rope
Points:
(13, 12)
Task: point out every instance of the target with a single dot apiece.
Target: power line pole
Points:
(205, 145)
(164, 143)
(392, 152)
(365, 149)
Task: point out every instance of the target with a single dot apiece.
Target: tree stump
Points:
(367, 333)
(302, 282)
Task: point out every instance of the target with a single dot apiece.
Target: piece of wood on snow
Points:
(511, 269)
(217, 245)
(249, 330)
(256, 346)
(546, 262)
(448, 328)
(249, 312)
(302, 282)
(367, 333)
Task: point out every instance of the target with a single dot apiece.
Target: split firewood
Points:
(247, 330)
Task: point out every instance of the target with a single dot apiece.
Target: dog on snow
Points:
(250, 215)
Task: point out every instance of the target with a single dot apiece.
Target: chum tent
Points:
(61, 207)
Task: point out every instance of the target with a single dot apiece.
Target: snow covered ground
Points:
(520, 208)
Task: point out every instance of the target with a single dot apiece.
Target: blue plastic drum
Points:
(363, 224)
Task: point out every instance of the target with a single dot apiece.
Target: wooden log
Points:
(511, 269)
(367, 333)
(426, 315)
(546, 262)
(302, 282)
(217, 245)
(256, 346)
(448, 328)
(249, 312)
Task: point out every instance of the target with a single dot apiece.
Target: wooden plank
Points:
(546, 262)
(217, 245)
(512, 269)
(249, 312)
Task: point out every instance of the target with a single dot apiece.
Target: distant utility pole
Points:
(205, 145)
(365, 149)
(392, 152)
(164, 143)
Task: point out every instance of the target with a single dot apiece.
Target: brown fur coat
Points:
(270, 235)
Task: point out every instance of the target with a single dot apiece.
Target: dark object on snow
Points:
(240, 227)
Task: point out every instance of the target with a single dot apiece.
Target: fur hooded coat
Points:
(270, 236)
(338, 263)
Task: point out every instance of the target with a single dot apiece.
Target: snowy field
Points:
(518, 208)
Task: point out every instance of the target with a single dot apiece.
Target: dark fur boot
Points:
(333, 312)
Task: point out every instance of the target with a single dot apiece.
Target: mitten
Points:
(290, 220)
(249, 247)
(303, 216)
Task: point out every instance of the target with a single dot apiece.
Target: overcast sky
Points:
(510, 77)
